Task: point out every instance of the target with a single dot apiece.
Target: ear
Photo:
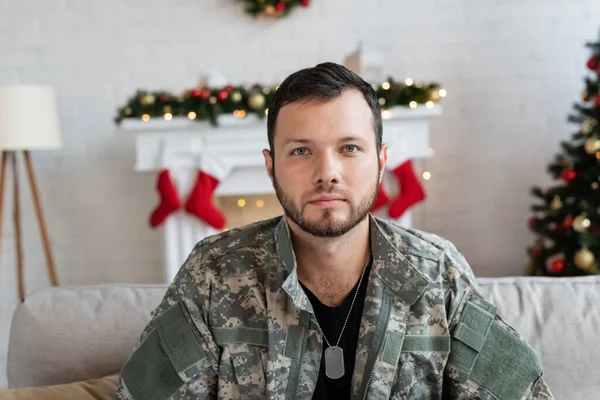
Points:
(382, 160)
(268, 163)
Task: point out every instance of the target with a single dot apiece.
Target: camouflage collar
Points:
(389, 264)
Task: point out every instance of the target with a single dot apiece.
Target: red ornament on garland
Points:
(205, 94)
(597, 101)
(568, 175)
(280, 7)
(163, 98)
(228, 88)
(222, 95)
(557, 266)
(567, 223)
(305, 3)
(196, 93)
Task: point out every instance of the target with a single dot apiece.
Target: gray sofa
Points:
(61, 335)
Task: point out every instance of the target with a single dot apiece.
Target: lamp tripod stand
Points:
(17, 216)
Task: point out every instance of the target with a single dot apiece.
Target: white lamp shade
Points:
(28, 118)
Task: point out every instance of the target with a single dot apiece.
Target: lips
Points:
(326, 198)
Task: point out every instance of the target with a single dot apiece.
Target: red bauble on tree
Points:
(568, 175)
(593, 63)
(536, 251)
(305, 3)
(567, 223)
(557, 266)
(597, 101)
(280, 7)
(533, 222)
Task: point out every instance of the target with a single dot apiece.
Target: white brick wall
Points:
(512, 70)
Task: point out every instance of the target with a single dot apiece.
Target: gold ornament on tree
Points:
(581, 223)
(585, 260)
(556, 203)
(530, 270)
(269, 10)
(592, 145)
(256, 101)
(585, 96)
(588, 126)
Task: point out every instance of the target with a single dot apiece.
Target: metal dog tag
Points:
(334, 362)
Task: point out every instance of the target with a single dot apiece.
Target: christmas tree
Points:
(566, 216)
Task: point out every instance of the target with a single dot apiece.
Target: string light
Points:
(429, 104)
(266, 111)
(427, 175)
(260, 203)
(412, 104)
(385, 114)
(408, 82)
(239, 113)
(381, 101)
(213, 100)
(442, 92)
(241, 202)
(145, 117)
(192, 115)
(385, 85)
(168, 116)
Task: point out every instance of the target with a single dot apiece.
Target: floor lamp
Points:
(28, 121)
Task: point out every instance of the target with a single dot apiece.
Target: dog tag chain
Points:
(334, 355)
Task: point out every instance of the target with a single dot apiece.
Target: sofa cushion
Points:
(62, 335)
(94, 389)
(560, 318)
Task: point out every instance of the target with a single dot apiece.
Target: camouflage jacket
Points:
(235, 324)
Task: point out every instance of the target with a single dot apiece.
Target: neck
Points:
(331, 264)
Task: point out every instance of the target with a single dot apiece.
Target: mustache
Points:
(329, 191)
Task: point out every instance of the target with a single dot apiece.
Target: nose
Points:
(326, 170)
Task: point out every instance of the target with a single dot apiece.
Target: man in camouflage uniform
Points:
(240, 319)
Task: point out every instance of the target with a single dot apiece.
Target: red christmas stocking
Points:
(381, 200)
(200, 202)
(411, 191)
(169, 199)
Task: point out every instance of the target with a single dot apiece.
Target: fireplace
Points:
(245, 194)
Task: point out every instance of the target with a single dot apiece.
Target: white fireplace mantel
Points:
(239, 142)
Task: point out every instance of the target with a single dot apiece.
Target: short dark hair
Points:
(321, 83)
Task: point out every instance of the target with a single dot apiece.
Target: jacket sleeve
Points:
(488, 359)
(175, 357)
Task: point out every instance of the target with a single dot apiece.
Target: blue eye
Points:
(300, 151)
(351, 148)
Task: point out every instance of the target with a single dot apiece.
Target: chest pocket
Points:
(243, 366)
(417, 360)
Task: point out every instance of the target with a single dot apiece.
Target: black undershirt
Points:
(332, 320)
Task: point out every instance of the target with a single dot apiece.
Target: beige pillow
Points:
(93, 389)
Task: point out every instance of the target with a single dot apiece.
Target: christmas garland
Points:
(273, 8)
(206, 104)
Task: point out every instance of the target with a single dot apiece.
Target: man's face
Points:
(325, 169)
